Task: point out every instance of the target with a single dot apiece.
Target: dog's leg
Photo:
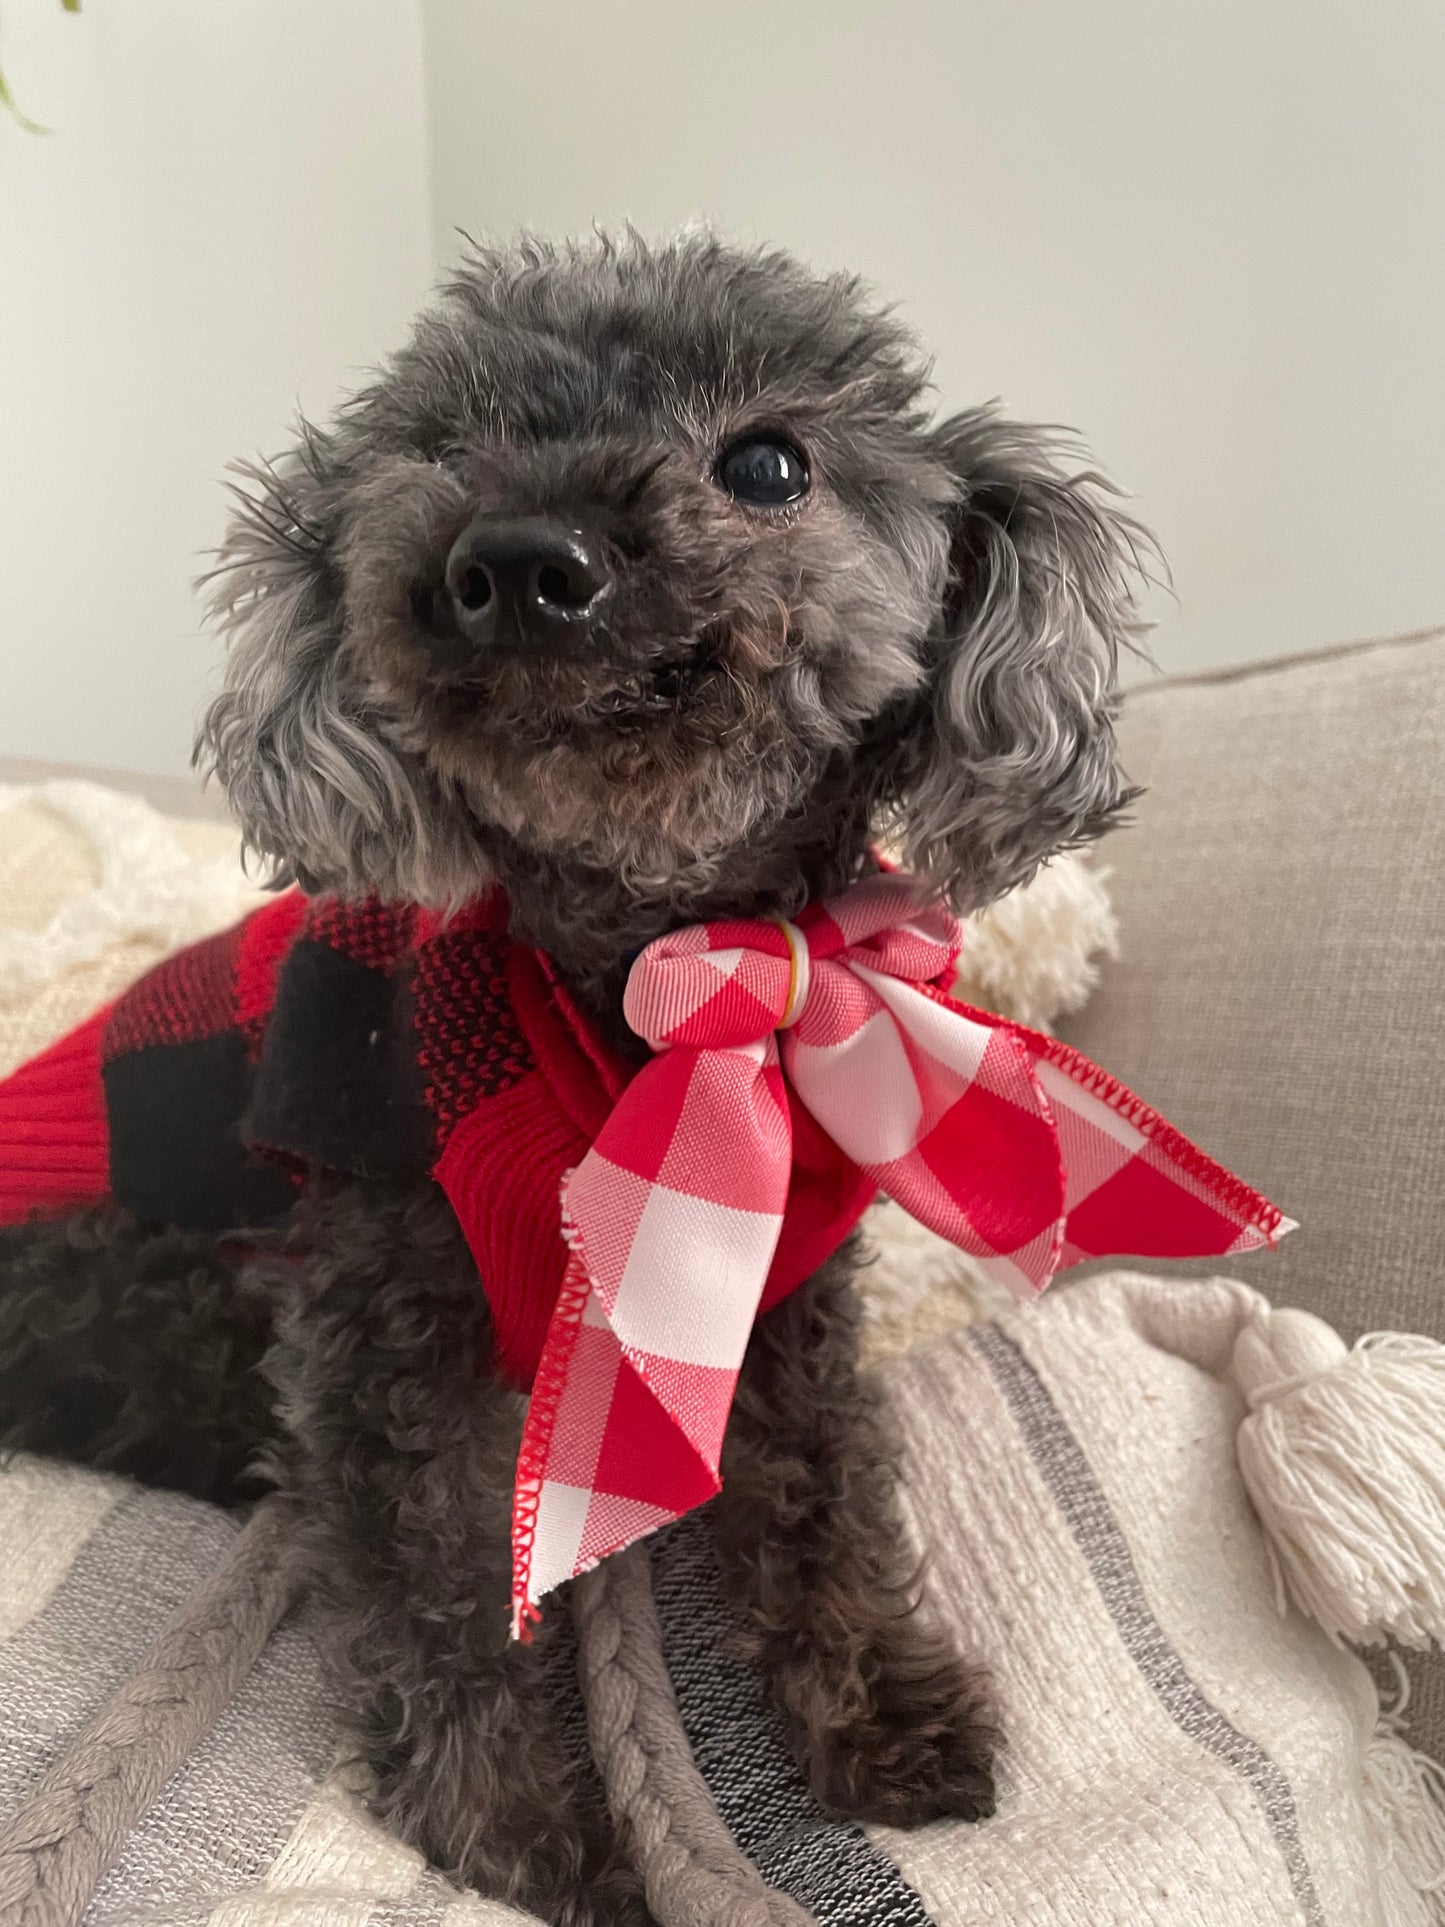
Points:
(402, 1452)
(887, 1722)
(135, 1349)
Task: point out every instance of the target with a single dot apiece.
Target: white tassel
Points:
(1343, 1454)
(1403, 1792)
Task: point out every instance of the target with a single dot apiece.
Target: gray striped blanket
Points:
(1181, 1753)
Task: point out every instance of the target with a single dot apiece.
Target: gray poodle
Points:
(642, 582)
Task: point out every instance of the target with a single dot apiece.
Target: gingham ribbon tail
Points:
(1007, 1143)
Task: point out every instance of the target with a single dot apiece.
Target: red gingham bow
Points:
(1007, 1143)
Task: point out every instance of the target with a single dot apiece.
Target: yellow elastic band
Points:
(800, 968)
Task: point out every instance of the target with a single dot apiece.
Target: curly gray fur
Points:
(930, 638)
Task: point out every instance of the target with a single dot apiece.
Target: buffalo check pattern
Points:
(1007, 1143)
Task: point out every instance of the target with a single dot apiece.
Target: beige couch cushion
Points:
(1281, 989)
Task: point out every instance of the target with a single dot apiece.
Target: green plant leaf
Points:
(7, 100)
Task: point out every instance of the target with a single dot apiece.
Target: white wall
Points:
(1211, 235)
(229, 216)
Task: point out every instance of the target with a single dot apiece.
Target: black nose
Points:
(526, 581)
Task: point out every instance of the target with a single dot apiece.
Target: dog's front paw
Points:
(922, 1747)
(613, 1900)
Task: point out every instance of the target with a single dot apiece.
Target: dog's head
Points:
(632, 556)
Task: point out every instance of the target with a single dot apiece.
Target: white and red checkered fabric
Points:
(1007, 1143)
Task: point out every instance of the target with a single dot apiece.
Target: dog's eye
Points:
(764, 472)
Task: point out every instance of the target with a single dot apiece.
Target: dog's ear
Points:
(313, 782)
(1008, 754)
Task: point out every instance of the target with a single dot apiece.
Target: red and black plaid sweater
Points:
(365, 1039)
